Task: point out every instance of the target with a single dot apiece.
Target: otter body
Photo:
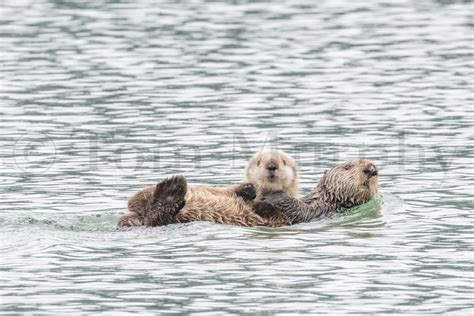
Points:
(267, 171)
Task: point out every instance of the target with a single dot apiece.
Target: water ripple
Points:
(99, 99)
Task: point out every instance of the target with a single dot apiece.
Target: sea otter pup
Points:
(344, 186)
(173, 201)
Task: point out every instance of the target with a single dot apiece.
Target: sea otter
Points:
(173, 201)
(344, 186)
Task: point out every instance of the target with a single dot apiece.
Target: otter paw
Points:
(275, 199)
(246, 191)
(263, 209)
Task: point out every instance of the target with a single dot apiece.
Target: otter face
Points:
(273, 170)
(351, 183)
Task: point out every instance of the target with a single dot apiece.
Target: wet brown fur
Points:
(267, 171)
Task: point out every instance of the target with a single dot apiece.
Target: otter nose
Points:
(272, 166)
(371, 171)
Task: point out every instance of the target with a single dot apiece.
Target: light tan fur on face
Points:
(272, 170)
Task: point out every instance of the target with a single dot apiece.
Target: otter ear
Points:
(348, 167)
(170, 188)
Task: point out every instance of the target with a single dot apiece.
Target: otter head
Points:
(273, 170)
(349, 184)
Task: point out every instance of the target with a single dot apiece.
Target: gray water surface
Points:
(98, 99)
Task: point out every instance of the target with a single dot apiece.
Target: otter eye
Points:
(347, 167)
(258, 162)
(284, 162)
